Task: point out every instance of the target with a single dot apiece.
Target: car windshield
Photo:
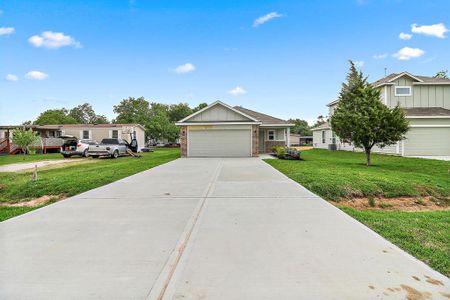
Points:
(110, 141)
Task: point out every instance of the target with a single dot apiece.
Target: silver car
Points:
(109, 147)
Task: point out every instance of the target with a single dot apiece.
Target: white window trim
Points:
(402, 87)
(274, 135)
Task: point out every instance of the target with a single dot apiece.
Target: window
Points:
(403, 91)
(323, 136)
(271, 135)
(86, 134)
(333, 138)
(115, 134)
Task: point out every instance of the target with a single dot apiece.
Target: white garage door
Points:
(219, 143)
(428, 141)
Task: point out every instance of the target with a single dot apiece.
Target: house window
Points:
(115, 134)
(271, 135)
(85, 134)
(333, 138)
(403, 91)
(323, 136)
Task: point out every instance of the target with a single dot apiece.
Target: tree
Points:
(133, 110)
(199, 107)
(362, 119)
(161, 127)
(300, 127)
(85, 114)
(320, 120)
(24, 138)
(442, 74)
(55, 116)
(179, 111)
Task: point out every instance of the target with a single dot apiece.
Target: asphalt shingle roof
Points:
(263, 118)
(426, 111)
(426, 79)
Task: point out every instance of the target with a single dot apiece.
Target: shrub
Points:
(280, 152)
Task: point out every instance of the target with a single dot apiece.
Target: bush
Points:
(371, 201)
(280, 152)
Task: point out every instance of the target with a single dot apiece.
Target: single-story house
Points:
(50, 134)
(294, 139)
(220, 130)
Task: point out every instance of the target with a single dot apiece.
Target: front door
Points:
(262, 141)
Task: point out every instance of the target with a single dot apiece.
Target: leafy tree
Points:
(161, 127)
(362, 119)
(320, 120)
(85, 114)
(442, 74)
(179, 111)
(133, 110)
(199, 107)
(55, 116)
(301, 127)
(24, 138)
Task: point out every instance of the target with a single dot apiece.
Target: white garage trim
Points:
(218, 123)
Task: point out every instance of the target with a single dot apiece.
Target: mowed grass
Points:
(74, 179)
(425, 235)
(337, 175)
(342, 175)
(20, 158)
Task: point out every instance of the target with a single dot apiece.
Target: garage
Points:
(219, 142)
(428, 141)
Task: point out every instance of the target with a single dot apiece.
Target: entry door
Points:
(262, 141)
(219, 143)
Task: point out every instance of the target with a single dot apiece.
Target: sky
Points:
(284, 58)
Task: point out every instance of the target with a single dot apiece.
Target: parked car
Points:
(109, 147)
(73, 146)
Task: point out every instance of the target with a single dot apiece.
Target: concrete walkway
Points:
(204, 229)
(40, 164)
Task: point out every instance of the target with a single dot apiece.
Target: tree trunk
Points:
(368, 158)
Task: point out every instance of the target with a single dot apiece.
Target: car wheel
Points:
(85, 153)
(115, 154)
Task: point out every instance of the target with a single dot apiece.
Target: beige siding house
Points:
(220, 130)
(426, 102)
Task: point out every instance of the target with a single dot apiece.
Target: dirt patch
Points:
(36, 201)
(396, 204)
(433, 281)
(413, 294)
(301, 148)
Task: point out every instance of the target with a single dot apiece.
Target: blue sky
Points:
(285, 58)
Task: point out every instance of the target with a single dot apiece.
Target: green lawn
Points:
(19, 158)
(74, 179)
(425, 235)
(342, 175)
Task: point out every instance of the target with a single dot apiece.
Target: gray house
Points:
(220, 130)
(426, 102)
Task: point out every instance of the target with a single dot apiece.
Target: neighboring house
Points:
(294, 139)
(50, 134)
(426, 103)
(220, 130)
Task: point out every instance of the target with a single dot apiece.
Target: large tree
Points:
(300, 127)
(55, 116)
(362, 119)
(161, 127)
(133, 110)
(179, 111)
(442, 74)
(85, 114)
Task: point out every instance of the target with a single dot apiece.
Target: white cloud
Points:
(53, 40)
(406, 53)
(266, 18)
(359, 63)
(11, 77)
(7, 30)
(405, 36)
(186, 68)
(436, 30)
(237, 91)
(380, 56)
(36, 75)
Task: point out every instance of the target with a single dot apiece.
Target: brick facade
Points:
(183, 141)
(255, 140)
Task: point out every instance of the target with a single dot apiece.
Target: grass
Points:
(9, 212)
(343, 175)
(74, 179)
(19, 158)
(425, 235)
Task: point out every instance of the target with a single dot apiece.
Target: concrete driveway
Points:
(204, 229)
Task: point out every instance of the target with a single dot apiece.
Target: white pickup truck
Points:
(109, 147)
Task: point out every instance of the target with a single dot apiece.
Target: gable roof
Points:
(323, 126)
(418, 78)
(214, 104)
(263, 118)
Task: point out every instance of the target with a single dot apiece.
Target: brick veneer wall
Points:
(270, 144)
(183, 140)
(255, 140)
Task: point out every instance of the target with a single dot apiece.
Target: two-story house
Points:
(426, 102)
